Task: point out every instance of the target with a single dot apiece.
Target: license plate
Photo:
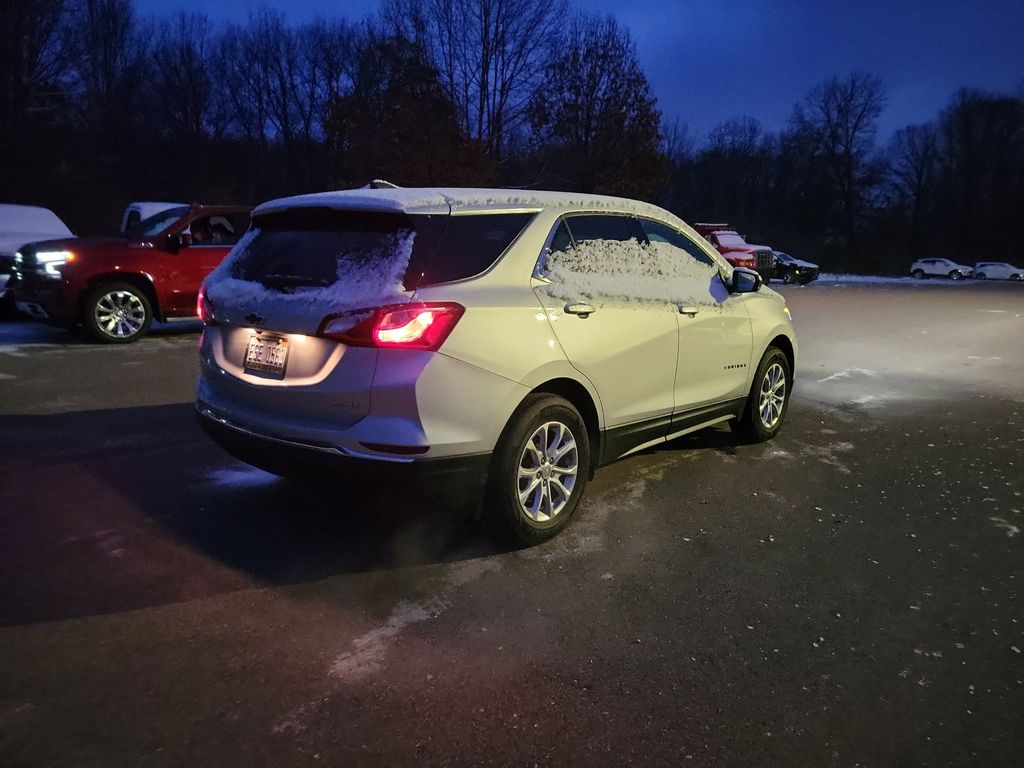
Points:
(267, 355)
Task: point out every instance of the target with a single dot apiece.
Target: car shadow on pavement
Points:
(104, 511)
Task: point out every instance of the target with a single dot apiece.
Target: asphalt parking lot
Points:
(848, 594)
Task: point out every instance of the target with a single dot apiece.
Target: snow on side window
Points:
(627, 270)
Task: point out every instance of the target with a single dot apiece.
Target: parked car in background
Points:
(135, 213)
(737, 251)
(793, 270)
(116, 286)
(923, 268)
(20, 224)
(494, 343)
(997, 270)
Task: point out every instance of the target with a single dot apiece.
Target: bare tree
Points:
(329, 61)
(736, 172)
(182, 83)
(677, 141)
(912, 164)
(490, 54)
(35, 59)
(595, 109)
(110, 67)
(981, 144)
(841, 117)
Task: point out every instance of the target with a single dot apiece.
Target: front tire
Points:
(917, 274)
(954, 275)
(980, 276)
(788, 278)
(768, 401)
(539, 471)
(117, 313)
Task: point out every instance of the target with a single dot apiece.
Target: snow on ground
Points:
(835, 278)
(241, 477)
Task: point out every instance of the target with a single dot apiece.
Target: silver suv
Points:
(499, 342)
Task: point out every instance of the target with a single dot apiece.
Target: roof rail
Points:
(381, 184)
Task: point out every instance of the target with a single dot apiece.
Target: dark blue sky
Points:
(711, 60)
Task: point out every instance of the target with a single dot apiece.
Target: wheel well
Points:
(577, 394)
(142, 282)
(783, 343)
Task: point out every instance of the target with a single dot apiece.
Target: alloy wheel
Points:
(547, 471)
(120, 314)
(773, 396)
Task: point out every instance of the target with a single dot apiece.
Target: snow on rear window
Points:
(631, 271)
(349, 273)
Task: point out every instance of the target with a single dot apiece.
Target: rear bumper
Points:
(457, 481)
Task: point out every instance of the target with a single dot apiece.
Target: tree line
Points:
(99, 107)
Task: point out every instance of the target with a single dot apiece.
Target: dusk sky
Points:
(711, 60)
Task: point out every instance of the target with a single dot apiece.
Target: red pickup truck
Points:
(737, 251)
(115, 287)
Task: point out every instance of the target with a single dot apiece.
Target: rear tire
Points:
(917, 274)
(538, 472)
(768, 401)
(117, 313)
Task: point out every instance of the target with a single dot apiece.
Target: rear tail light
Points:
(204, 308)
(397, 326)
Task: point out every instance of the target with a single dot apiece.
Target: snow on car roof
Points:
(444, 199)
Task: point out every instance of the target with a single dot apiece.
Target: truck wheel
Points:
(539, 471)
(117, 313)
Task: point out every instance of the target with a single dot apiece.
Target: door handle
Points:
(583, 310)
(691, 311)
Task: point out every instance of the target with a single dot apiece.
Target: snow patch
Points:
(369, 649)
(1011, 529)
(845, 374)
(240, 477)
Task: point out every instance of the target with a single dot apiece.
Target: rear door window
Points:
(600, 227)
(467, 245)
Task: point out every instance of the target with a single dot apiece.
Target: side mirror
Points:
(745, 280)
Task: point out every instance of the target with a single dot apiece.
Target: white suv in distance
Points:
(997, 270)
(939, 268)
(499, 343)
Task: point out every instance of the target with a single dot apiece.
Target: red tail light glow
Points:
(398, 326)
(204, 308)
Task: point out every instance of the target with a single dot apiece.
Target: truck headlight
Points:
(50, 261)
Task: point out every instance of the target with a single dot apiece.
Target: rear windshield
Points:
(318, 247)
